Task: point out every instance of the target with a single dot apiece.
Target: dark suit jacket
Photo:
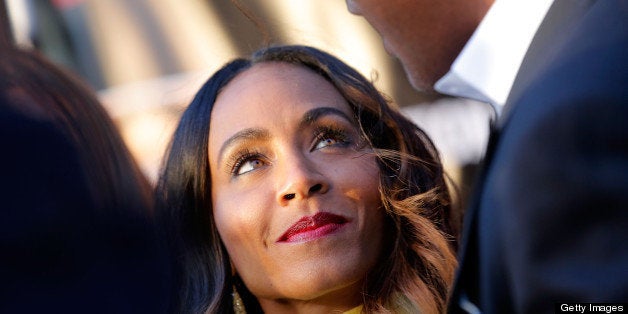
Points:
(549, 222)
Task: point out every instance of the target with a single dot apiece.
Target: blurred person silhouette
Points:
(292, 186)
(77, 233)
(549, 219)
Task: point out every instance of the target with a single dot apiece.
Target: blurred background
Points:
(147, 58)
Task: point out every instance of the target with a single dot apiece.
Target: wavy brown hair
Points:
(414, 271)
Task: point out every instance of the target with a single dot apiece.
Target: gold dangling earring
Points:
(238, 304)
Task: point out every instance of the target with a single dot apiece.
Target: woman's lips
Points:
(310, 228)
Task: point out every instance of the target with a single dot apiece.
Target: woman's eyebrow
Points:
(314, 114)
(249, 134)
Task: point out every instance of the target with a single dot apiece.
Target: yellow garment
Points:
(355, 310)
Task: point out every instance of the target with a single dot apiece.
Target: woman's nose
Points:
(301, 180)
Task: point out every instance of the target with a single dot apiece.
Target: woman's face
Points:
(294, 190)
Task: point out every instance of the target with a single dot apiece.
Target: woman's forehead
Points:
(270, 94)
(270, 87)
(275, 75)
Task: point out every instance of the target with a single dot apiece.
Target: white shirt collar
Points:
(487, 66)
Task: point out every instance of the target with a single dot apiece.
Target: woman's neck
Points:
(337, 301)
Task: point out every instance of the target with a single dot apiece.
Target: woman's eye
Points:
(330, 137)
(247, 166)
(245, 161)
(325, 142)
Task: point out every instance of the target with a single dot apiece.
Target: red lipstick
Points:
(310, 228)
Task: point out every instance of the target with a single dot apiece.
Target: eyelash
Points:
(329, 132)
(240, 158)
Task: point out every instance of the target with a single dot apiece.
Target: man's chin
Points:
(388, 49)
(420, 84)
